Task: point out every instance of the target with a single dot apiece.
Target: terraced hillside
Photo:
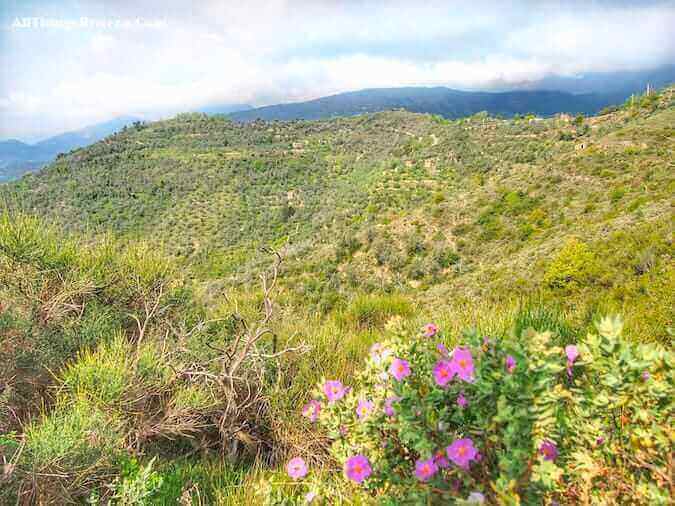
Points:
(445, 211)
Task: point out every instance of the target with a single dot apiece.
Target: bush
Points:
(508, 419)
(574, 267)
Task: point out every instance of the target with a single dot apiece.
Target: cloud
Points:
(219, 52)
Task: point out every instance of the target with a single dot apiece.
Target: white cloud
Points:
(218, 52)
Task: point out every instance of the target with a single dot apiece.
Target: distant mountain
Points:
(586, 94)
(18, 158)
(621, 83)
(446, 102)
(224, 108)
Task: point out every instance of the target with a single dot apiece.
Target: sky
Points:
(68, 63)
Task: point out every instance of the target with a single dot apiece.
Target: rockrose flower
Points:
(510, 364)
(334, 390)
(311, 410)
(549, 450)
(399, 368)
(429, 330)
(296, 468)
(378, 352)
(310, 496)
(646, 375)
(476, 498)
(443, 350)
(461, 400)
(443, 372)
(425, 469)
(357, 468)
(364, 408)
(462, 364)
(462, 452)
(389, 405)
(572, 354)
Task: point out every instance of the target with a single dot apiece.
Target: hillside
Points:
(140, 256)
(445, 102)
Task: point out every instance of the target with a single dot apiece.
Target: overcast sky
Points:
(100, 59)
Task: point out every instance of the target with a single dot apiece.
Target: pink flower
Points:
(357, 468)
(429, 330)
(378, 352)
(443, 372)
(461, 400)
(399, 368)
(510, 364)
(462, 452)
(443, 350)
(600, 440)
(549, 450)
(311, 410)
(572, 354)
(310, 496)
(296, 468)
(364, 408)
(646, 375)
(389, 405)
(425, 469)
(334, 390)
(441, 460)
(462, 364)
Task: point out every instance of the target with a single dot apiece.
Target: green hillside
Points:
(130, 272)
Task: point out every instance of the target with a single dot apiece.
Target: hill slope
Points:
(394, 201)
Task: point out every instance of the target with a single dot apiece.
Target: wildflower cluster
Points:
(504, 420)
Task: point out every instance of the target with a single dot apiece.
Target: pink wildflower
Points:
(334, 390)
(296, 468)
(429, 330)
(443, 372)
(549, 450)
(364, 408)
(443, 350)
(462, 452)
(357, 468)
(378, 352)
(310, 496)
(389, 405)
(510, 364)
(399, 368)
(461, 400)
(572, 354)
(646, 375)
(311, 410)
(425, 469)
(462, 364)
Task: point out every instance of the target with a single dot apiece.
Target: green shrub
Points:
(516, 419)
(574, 267)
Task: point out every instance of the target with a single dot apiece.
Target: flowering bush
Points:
(503, 420)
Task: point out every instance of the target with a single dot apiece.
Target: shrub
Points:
(575, 266)
(509, 419)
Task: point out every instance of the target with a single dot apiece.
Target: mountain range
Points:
(18, 158)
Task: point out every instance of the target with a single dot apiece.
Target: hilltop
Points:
(131, 275)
